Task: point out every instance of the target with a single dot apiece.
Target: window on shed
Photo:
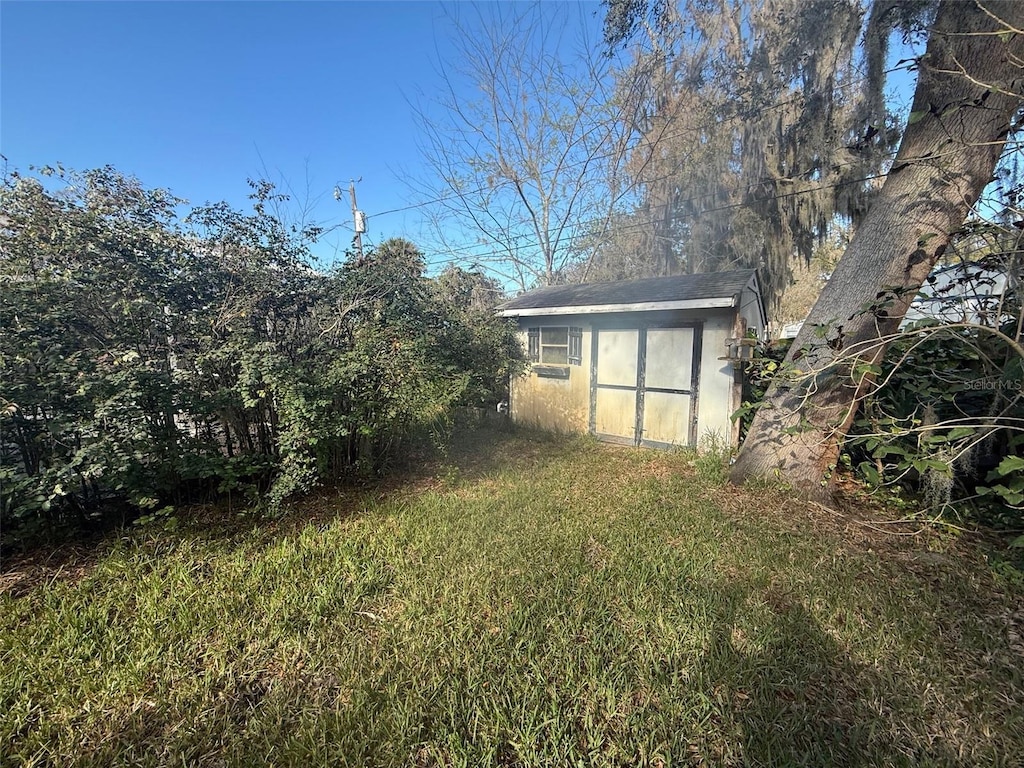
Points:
(555, 345)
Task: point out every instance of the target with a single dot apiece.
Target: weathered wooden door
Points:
(644, 385)
(614, 387)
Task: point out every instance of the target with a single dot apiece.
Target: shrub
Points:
(147, 361)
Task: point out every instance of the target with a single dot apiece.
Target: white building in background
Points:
(965, 292)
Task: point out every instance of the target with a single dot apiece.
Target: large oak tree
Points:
(761, 122)
(968, 95)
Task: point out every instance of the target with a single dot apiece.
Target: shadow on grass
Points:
(531, 667)
(800, 699)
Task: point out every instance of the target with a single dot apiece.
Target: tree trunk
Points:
(968, 91)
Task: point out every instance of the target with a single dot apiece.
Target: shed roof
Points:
(705, 291)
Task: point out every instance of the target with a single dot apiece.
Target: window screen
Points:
(554, 346)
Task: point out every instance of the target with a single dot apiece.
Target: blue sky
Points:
(197, 96)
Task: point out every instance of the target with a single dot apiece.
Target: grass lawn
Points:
(526, 602)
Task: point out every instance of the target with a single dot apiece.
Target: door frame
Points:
(640, 388)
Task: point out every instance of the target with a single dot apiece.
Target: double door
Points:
(644, 385)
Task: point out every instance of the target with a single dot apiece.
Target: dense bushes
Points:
(147, 361)
(945, 417)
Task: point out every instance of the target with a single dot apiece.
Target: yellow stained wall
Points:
(560, 405)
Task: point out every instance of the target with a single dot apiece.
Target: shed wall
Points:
(752, 311)
(559, 405)
(717, 377)
(563, 405)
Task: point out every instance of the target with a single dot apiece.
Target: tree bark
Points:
(968, 91)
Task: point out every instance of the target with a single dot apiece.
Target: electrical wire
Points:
(669, 137)
(483, 255)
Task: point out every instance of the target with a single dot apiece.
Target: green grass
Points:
(530, 602)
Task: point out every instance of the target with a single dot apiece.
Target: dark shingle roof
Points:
(714, 285)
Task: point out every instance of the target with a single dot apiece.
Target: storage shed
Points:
(639, 362)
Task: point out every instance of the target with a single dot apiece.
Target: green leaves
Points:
(945, 415)
(154, 362)
(1010, 490)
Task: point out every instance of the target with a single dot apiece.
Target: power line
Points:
(475, 253)
(716, 209)
(645, 224)
(472, 249)
(668, 137)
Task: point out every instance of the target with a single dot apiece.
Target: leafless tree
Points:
(528, 144)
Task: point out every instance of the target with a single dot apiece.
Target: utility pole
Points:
(358, 220)
(358, 217)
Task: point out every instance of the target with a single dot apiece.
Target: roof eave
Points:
(596, 309)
